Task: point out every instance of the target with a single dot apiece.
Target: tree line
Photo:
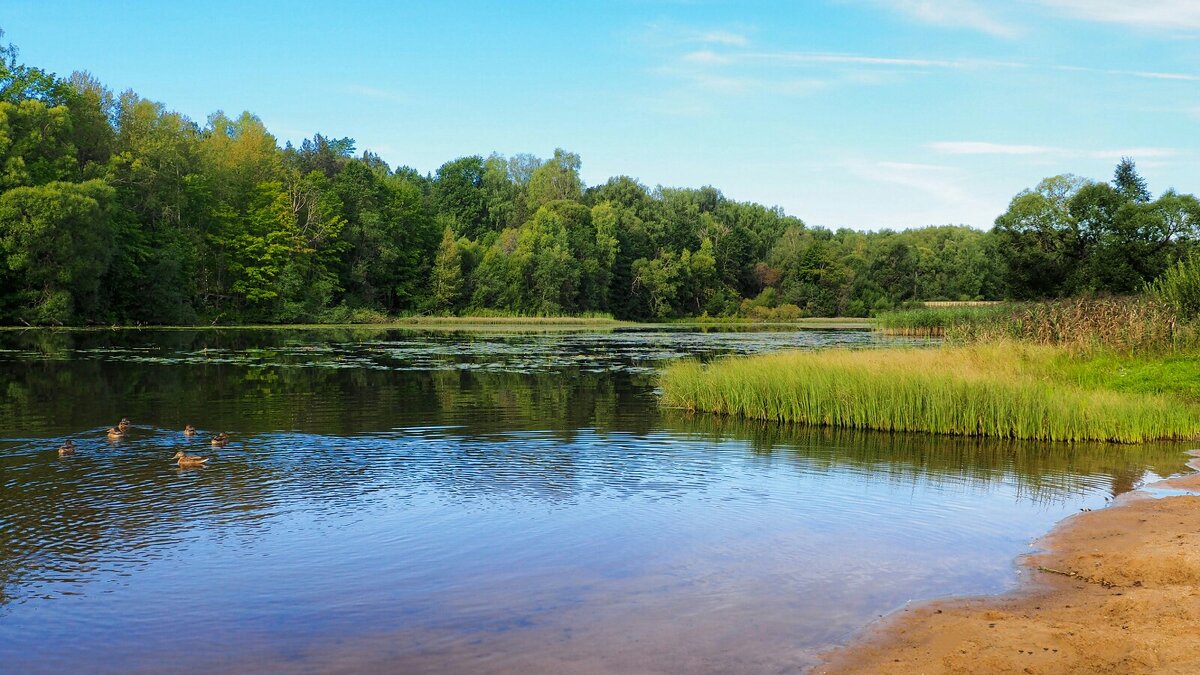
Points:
(116, 209)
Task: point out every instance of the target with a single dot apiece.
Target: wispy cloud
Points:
(932, 179)
(720, 37)
(985, 148)
(672, 35)
(786, 57)
(952, 14)
(1144, 74)
(1156, 14)
(931, 193)
(376, 93)
(725, 63)
(1008, 149)
(1115, 155)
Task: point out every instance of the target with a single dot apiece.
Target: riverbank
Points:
(1004, 390)
(470, 323)
(1113, 591)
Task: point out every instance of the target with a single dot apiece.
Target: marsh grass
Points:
(1003, 389)
(1086, 325)
(935, 321)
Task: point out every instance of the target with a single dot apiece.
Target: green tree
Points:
(446, 281)
(556, 179)
(35, 144)
(56, 240)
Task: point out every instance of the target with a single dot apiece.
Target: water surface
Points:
(466, 502)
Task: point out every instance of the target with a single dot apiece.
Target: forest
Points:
(115, 209)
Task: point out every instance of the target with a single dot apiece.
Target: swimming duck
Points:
(185, 459)
(189, 430)
(116, 434)
(123, 425)
(67, 448)
(220, 440)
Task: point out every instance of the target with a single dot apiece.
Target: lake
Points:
(420, 501)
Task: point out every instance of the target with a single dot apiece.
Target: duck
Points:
(184, 459)
(123, 425)
(116, 434)
(189, 430)
(220, 440)
(67, 448)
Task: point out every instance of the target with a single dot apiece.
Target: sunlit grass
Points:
(1002, 389)
(935, 321)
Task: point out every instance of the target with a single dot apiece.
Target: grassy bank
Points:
(1001, 389)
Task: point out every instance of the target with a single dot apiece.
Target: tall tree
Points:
(446, 280)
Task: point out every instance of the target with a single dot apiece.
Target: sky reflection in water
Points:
(416, 501)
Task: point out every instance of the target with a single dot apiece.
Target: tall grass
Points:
(1004, 390)
(935, 321)
(1136, 324)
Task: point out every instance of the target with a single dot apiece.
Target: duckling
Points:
(185, 460)
(189, 430)
(67, 448)
(220, 440)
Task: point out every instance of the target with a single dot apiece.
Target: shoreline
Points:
(480, 322)
(1111, 590)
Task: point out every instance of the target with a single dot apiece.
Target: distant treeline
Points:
(115, 209)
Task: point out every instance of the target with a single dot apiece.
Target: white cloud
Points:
(671, 35)
(1159, 14)
(375, 93)
(1158, 76)
(1144, 74)
(1008, 149)
(1136, 153)
(932, 179)
(707, 57)
(783, 57)
(951, 13)
(985, 148)
(721, 37)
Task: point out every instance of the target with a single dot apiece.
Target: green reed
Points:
(1003, 389)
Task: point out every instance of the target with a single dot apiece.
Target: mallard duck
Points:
(220, 440)
(189, 430)
(116, 434)
(123, 425)
(184, 459)
(67, 448)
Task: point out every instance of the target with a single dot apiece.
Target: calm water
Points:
(421, 502)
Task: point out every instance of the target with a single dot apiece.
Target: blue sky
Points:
(856, 113)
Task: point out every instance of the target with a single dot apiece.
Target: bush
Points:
(1179, 288)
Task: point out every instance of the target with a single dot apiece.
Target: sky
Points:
(867, 114)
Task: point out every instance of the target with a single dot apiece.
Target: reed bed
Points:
(935, 321)
(1003, 389)
(1136, 324)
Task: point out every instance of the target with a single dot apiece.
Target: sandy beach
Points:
(1115, 590)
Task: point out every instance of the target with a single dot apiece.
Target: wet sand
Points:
(1115, 590)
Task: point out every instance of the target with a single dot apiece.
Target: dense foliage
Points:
(114, 208)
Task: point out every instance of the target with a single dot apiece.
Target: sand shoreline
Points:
(1113, 590)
